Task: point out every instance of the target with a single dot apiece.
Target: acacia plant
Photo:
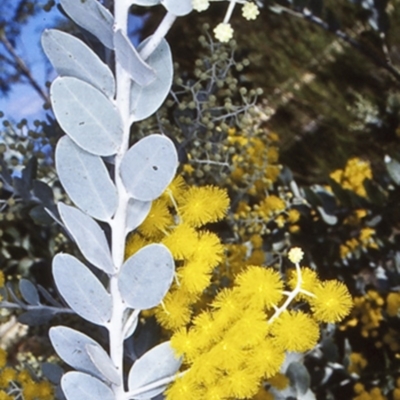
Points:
(133, 223)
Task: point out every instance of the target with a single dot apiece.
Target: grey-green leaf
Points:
(89, 237)
(149, 166)
(71, 57)
(29, 292)
(103, 363)
(178, 7)
(130, 60)
(146, 100)
(299, 377)
(87, 116)
(137, 212)
(80, 386)
(158, 363)
(82, 291)
(393, 169)
(146, 276)
(86, 180)
(70, 345)
(92, 16)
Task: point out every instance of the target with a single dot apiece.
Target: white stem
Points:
(154, 385)
(291, 296)
(229, 11)
(158, 35)
(118, 223)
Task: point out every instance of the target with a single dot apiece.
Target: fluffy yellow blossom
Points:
(267, 358)
(6, 376)
(209, 250)
(158, 219)
(182, 241)
(295, 331)
(254, 323)
(271, 206)
(293, 216)
(175, 311)
(175, 191)
(260, 287)
(194, 277)
(202, 205)
(242, 383)
(332, 301)
(295, 255)
(134, 243)
(357, 363)
(5, 396)
(250, 11)
(353, 176)
(223, 32)
(37, 390)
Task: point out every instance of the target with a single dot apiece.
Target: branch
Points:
(308, 16)
(20, 65)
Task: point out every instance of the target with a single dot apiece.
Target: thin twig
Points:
(308, 16)
(20, 65)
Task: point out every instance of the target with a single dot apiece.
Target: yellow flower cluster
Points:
(367, 313)
(255, 165)
(374, 393)
(176, 219)
(357, 363)
(366, 239)
(21, 384)
(242, 339)
(354, 174)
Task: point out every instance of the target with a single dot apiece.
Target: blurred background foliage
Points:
(301, 109)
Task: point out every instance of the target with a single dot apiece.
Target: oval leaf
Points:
(70, 345)
(299, 377)
(80, 386)
(130, 60)
(393, 169)
(178, 7)
(149, 167)
(53, 372)
(146, 276)
(103, 363)
(136, 213)
(82, 291)
(92, 16)
(71, 57)
(86, 180)
(29, 292)
(146, 100)
(86, 115)
(158, 363)
(88, 236)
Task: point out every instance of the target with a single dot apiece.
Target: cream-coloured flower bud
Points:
(200, 5)
(250, 11)
(223, 32)
(295, 255)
